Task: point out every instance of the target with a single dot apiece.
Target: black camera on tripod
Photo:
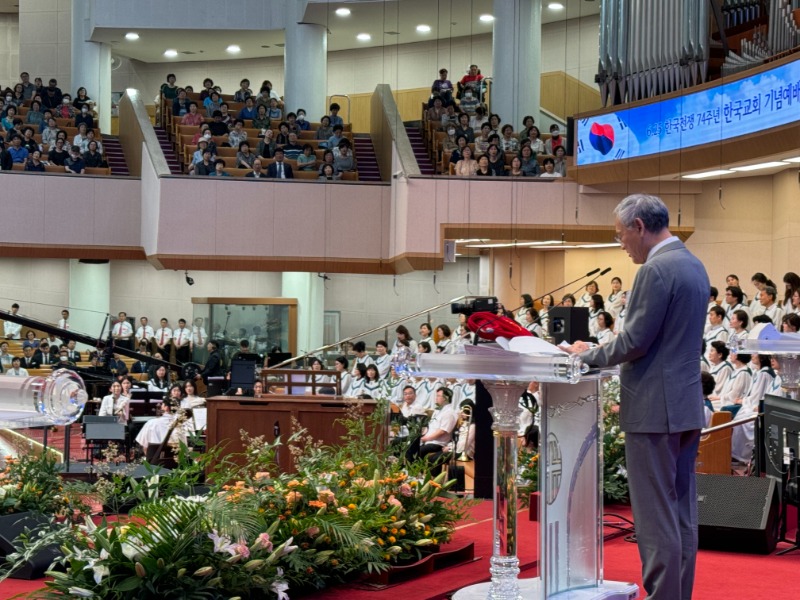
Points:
(481, 304)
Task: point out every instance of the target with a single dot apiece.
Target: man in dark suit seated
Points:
(279, 169)
(29, 359)
(43, 356)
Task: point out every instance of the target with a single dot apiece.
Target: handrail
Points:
(729, 424)
(368, 331)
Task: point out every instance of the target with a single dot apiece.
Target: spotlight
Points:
(189, 280)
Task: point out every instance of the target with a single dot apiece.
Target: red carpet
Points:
(727, 575)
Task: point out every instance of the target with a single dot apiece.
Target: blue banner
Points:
(768, 99)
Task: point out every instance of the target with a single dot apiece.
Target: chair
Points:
(714, 453)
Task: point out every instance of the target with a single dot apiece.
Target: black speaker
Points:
(11, 526)
(738, 514)
(570, 149)
(568, 324)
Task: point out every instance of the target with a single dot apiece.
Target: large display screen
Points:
(768, 99)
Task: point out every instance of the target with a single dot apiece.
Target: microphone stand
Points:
(589, 274)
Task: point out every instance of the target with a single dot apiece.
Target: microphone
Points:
(606, 270)
(589, 274)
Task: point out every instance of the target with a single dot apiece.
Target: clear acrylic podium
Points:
(570, 474)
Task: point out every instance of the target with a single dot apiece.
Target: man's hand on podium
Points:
(577, 347)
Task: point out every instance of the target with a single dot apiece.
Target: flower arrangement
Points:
(346, 511)
(32, 483)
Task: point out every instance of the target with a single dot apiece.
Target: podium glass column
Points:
(570, 476)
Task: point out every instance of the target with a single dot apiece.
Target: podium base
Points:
(530, 589)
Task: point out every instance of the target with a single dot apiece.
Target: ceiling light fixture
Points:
(233, 49)
(170, 53)
(758, 167)
(486, 18)
(363, 37)
(132, 36)
(343, 12)
(707, 174)
(424, 28)
(555, 6)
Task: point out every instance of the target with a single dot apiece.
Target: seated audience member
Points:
(328, 173)
(736, 386)
(237, 135)
(508, 143)
(80, 137)
(605, 327)
(345, 160)
(292, 149)
(212, 103)
(707, 381)
(16, 369)
(301, 120)
(180, 105)
(482, 141)
(205, 166)
(92, 157)
(527, 123)
(267, 145)
(494, 123)
(324, 131)
(442, 88)
(51, 95)
(35, 163)
(515, 169)
(497, 161)
(28, 141)
(192, 117)
(283, 134)
(84, 117)
(528, 162)
(245, 158)
(435, 112)
(249, 112)
(208, 87)
(439, 432)
(115, 404)
(280, 169)
(261, 120)
(470, 102)
(307, 161)
(549, 169)
(449, 118)
(82, 99)
(336, 138)
(537, 145)
(7, 122)
(771, 308)
(719, 367)
(467, 166)
(274, 111)
(227, 117)
(463, 127)
(327, 159)
(50, 132)
(65, 110)
(291, 121)
(58, 155)
(159, 382)
(484, 170)
(244, 92)
(217, 127)
(478, 119)
(334, 115)
(457, 152)
(34, 115)
(560, 163)
(471, 80)
(74, 163)
(219, 169)
(29, 358)
(556, 139)
(18, 152)
(257, 172)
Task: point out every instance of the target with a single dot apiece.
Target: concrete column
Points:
(89, 297)
(90, 64)
(517, 60)
(305, 64)
(309, 290)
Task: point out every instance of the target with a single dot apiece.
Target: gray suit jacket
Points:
(659, 349)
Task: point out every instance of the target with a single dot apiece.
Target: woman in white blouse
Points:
(403, 334)
(614, 300)
(445, 344)
(605, 323)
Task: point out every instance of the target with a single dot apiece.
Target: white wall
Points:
(366, 301)
(9, 49)
(570, 46)
(45, 37)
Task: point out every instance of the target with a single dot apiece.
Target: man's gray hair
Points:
(771, 291)
(650, 209)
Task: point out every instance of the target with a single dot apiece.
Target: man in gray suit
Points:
(661, 404)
